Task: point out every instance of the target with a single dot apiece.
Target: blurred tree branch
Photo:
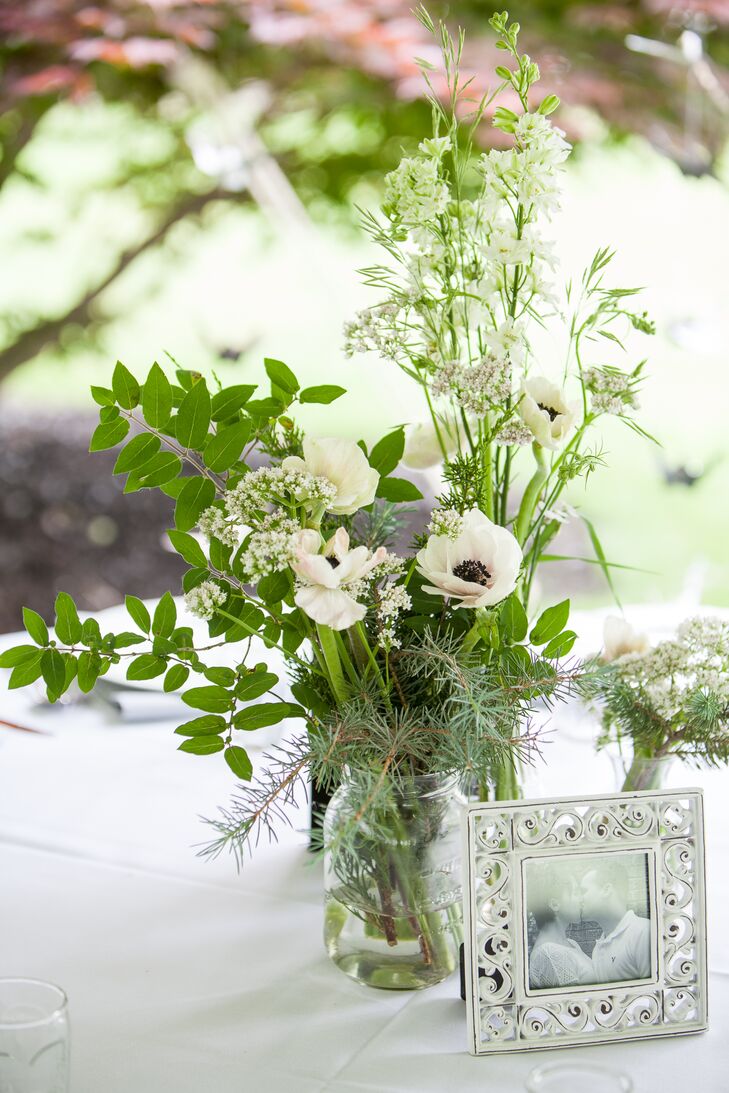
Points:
(48, 331)
(352, 60)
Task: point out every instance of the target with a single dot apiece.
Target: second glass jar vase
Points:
(393, 890)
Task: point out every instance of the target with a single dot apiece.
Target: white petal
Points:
(293, 463)
(330, 607)
(315, 569)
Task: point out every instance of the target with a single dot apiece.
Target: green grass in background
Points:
(236, 282)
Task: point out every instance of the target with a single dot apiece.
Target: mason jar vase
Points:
(393, 888)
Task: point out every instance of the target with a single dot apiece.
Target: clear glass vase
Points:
(393, 889)
(646, 772)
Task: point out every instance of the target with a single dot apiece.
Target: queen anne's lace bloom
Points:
(393, 600)
(475, 387)
(271, 547)
(204, 598)
(514, 432)
(445, 522)
(613, 391)
(672, 672)
(214, 525)
(271, 485)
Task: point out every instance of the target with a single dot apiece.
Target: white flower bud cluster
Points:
(271, 547)
(392, 565)
(611, 390)
(476, 387)
(393, 600)
(697, 659)
(213, 524)
(514, 432)
(269, 485)
(446, 522)
(373, 329)
(204, 598)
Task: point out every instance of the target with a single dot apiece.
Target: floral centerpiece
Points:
(666, 701)
(412, 672)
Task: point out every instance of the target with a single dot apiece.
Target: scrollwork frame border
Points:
(503, 1015)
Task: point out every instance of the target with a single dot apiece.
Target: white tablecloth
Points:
(184, 976)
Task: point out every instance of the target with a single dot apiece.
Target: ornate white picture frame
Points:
(656, 840)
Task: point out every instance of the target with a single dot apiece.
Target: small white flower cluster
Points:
(373, 329)
(214, 525)
(706, 633)
(269, 485)
(446, 522)
(514, 432)
(476, 387)
(611, 390)
(392, 565)
(697, 659)
(414, 191)
(393, 600)
(204, 598)
(270, 548)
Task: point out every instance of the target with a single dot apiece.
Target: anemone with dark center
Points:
(472, 570)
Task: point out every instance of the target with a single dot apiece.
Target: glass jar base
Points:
(411, 963)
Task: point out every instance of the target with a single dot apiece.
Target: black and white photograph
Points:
(588, 919)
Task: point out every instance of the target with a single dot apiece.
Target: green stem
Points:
(531, 495)
(406, 868)
(362, 635)
(487, 473)
(434, 416)
(346, 659)
(506, 782)
(328, 644)
(266, 641)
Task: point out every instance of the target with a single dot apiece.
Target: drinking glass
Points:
(577, 1078)
(34, 1037)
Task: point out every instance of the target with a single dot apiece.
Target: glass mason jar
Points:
(647, 772)
(393, 890)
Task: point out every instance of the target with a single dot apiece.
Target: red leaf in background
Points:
(49, 80)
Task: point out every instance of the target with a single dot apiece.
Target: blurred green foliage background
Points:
(184, 176)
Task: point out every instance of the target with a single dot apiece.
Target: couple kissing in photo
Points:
(561, 896)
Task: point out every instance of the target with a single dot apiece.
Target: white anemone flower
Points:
(345, 465)
(479, 567)
(325, 594)
(620, 638)
(545, 411)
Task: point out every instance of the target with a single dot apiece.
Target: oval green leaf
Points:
(238, 761)
(193, 417)
(157, 398)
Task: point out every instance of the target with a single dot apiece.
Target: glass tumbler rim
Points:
(623, 1082)
(59, 1009)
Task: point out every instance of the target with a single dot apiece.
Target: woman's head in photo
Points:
(552, 894)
